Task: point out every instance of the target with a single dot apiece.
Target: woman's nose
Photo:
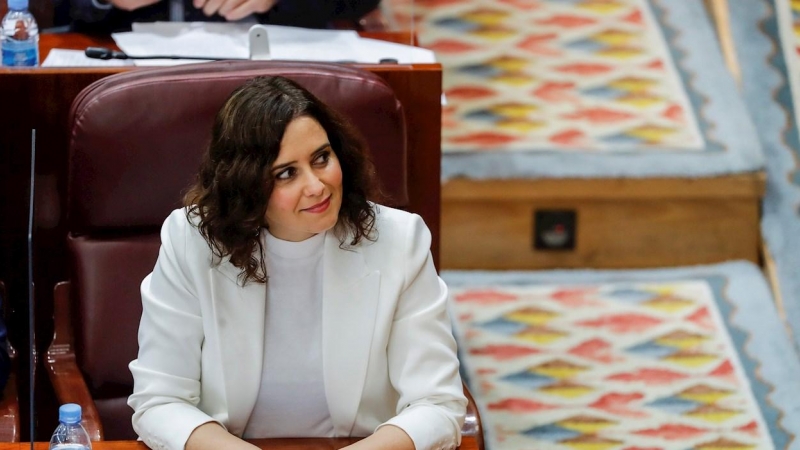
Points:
(314, 186)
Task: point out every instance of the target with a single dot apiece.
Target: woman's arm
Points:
(423, 365)
(167, 371)
(211, 436)
(386, 438)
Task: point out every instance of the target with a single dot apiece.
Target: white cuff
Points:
(427, 427)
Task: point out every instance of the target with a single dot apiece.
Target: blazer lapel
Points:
(239, 313)
(349, 305)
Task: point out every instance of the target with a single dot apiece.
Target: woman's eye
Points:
(285, 174)
(323, 158)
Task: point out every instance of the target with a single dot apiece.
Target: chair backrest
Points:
(136, 143)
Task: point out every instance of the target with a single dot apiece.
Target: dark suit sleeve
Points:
(87, 11)
(316, 13)
(352, 9)
(85, 17)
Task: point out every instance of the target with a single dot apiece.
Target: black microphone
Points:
(104, 53)
(107, 53)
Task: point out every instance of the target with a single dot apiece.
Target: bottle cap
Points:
(70, 412)
(17, 5)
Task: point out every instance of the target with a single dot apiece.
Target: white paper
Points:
(197, 39)
(230, 41)
(77, 58)
(374, 50)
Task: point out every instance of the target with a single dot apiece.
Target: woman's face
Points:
(307, 190)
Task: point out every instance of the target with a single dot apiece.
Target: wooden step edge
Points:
(770, 270)
(720, 14)
(747, 185)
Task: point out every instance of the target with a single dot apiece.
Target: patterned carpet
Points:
(665, 359)
(534, 75)
(626, 360)
(765, 35)
(789, 30)
(574, 88)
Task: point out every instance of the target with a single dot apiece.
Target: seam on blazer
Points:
(191, 287)
(406, 279)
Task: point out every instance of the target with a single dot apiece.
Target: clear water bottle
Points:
(20, 37)
(70, 434)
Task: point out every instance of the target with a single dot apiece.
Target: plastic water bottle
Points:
(70, 434)
(20, 37)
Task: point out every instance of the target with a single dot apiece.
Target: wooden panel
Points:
(490, 234)
(424, 125)
(748, 185)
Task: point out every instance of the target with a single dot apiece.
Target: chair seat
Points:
(116, 417)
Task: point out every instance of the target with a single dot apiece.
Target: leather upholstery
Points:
(116, 416)
(107, 273)
(135, 145)
(137, 137)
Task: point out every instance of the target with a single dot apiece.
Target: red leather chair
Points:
(136, 142)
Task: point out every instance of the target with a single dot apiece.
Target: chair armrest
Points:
(9, 402)
(9, 412)
(472, 422)
(62, 367)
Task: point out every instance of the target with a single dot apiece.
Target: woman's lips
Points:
(320, 207)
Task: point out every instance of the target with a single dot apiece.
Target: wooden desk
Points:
(40, 98)
(467, 443)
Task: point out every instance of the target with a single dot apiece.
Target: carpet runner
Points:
(765, 35)
(582, 88)
(662, 359)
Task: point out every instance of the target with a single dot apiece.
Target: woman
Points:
(283, 303)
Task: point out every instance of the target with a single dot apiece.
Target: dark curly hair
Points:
(234, 182)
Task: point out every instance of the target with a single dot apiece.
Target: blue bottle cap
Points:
(70, 412)
(17, 5)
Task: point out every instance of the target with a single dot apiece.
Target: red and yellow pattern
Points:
(533, 75)
(605, 367)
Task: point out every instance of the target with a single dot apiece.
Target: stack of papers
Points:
(230, 41)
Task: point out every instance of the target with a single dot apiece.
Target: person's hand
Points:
(130, 5)
(21, 31)
(234, 9)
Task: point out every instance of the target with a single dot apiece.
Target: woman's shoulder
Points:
(386, 216)
(181, 227)
(392, 224)
(180, 220)
(401, 238)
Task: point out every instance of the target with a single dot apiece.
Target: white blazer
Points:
(388, 352)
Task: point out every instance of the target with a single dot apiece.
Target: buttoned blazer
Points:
(388, 353)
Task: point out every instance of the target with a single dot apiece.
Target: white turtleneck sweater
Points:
(291, 401)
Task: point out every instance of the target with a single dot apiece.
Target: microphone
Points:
(107, 53)
(104, 53)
